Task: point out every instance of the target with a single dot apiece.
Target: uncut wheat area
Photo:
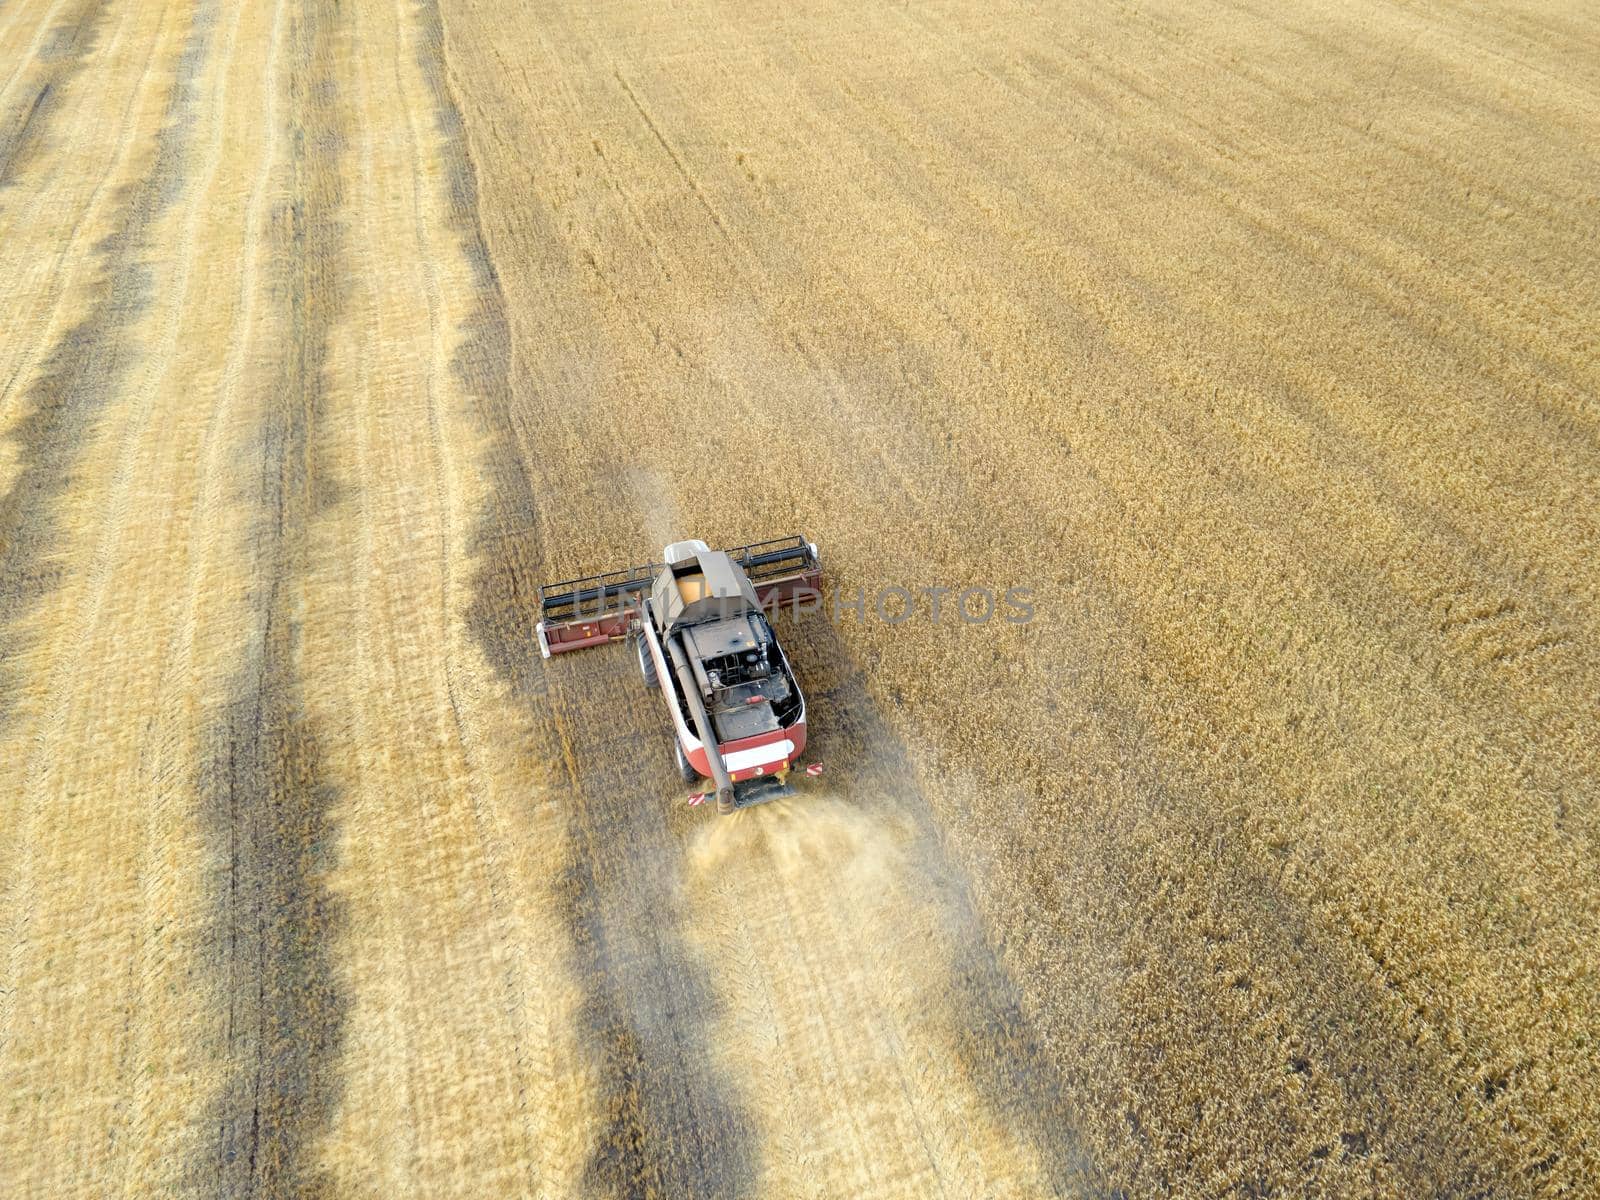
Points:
(1254, 343)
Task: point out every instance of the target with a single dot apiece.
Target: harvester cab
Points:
(704, 641)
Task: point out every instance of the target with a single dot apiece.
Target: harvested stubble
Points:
(1257, 341)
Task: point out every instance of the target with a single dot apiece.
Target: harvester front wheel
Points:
(647, 664)
(685, 767)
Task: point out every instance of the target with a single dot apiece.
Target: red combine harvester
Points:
(702, 635)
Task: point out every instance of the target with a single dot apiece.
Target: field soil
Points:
(1257, 342)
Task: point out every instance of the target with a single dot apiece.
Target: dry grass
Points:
(1257, 341)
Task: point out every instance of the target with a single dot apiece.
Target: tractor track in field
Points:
(266, 801)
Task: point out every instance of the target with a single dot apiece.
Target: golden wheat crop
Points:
(1256, 342)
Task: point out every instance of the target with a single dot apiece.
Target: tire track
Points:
(265, 801)
(61, 57)
(172, 898)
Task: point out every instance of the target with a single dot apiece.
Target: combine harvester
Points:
(700, 628)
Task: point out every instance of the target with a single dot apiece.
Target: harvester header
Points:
(602, 608)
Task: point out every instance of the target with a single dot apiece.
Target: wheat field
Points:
(1258, 341)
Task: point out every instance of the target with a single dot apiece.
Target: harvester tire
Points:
(647, 664)
(685, 767)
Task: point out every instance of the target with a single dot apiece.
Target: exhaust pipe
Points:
(702, 725)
